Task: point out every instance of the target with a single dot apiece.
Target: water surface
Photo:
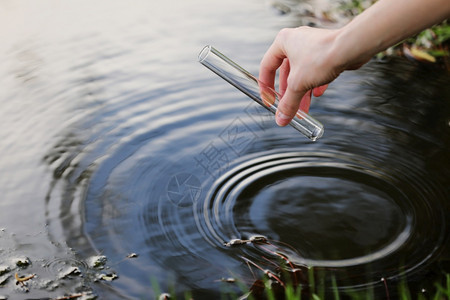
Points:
(115, 140)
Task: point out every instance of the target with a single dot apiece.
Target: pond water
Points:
(115, 140)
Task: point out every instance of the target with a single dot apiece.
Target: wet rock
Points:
(22, 262)
(4, 279)
(236, 242)
(97, 261)
(72, 271)
(258, 239)
(108, 276)
(4, 270)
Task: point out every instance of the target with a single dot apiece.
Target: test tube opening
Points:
(204, 53)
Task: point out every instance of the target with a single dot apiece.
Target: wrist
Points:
(337, 56)
(351, 51)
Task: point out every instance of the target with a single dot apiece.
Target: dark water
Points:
(114, 140)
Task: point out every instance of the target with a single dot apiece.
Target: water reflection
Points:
(117, 141)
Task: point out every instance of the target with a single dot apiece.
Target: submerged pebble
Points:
(47, 284)
(132, 255)
(97, 261)
(228, 280)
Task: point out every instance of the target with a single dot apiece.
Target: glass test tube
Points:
(262, 94)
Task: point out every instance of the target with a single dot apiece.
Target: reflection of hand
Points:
(303, 56)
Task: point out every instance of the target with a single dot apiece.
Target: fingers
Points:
(296, 94)
(318, 91)
(289, 105)
(268, 68)
(271, 61)
(306, 102)
(284, 73)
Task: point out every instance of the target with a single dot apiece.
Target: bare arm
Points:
(310, 58)
(386, 23)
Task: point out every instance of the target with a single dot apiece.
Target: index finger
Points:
(270, 63)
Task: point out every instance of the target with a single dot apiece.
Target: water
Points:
(115, 140)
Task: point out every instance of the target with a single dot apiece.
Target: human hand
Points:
(310, 58)
(304, 57)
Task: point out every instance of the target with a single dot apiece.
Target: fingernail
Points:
(281, 119)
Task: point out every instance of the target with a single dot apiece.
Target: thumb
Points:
(288, 106)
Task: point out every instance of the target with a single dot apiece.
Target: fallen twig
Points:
(22, 280)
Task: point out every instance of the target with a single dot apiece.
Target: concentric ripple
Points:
(62, 266)
(328, 210)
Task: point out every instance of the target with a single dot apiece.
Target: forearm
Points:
(384, 24)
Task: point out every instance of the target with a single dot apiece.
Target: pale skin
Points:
(309, 59)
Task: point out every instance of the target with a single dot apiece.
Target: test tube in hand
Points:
(253, 88)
